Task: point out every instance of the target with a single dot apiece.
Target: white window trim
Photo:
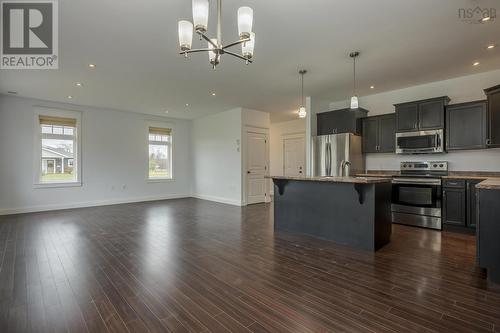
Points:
(38, 147)
(172, 141)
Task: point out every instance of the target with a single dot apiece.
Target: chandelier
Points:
(215, 47)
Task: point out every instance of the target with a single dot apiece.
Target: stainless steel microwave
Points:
(420, 142)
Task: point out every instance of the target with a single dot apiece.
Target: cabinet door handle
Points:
(488, 142)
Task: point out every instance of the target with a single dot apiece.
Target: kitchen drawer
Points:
(454, 183)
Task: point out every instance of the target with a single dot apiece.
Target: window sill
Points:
(57, 185)
(159, 180)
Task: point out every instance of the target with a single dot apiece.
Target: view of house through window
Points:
(160, 153)
(58, 145)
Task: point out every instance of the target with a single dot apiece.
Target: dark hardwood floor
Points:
(195, 266)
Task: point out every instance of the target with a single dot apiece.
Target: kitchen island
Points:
(352, 211)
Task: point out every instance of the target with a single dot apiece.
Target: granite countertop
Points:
(491, 180)
(355, 180)
(489, 184)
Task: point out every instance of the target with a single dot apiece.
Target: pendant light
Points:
(354, 98)
(302, 108)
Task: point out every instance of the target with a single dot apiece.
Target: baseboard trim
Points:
(46, 208)
(218, 199)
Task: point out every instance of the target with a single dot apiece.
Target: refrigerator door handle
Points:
(329, 159)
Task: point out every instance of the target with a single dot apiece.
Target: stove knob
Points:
(435, 166)
(441, 165)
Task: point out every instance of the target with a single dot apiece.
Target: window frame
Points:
(165, 125)
(37, 162)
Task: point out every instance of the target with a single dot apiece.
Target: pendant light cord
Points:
(302, 89)
(354, 71)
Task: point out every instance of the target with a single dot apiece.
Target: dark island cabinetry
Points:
(340, 121)
(379, 134)
(493, 95)
(467, 126)
(421, 115)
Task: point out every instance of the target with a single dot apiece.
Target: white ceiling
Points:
(134, 44)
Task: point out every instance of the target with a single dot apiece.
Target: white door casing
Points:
(256, 167)
(294, 155)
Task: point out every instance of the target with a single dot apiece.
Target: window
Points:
(160, 153)
(57, 149)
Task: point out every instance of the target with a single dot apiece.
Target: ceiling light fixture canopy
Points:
(354, 98)
(215, 47)
(302, 108)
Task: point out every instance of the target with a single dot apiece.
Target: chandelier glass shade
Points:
(215, 47)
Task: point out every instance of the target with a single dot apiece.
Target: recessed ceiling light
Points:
(78, 84)
(92, 65)
(485, 19)
(476, 63)
(166, 111)
(70, 97)
(491, 46)
(372, 87)
(213, 94)
(187, 104)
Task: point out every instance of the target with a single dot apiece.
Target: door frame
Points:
(287, 136)
(244, 166)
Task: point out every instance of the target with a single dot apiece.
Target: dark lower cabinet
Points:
(493, 95)
(379, 134)
(460, 203)
(467, 126)
(472, 203)
(488, 233)
(454, 206)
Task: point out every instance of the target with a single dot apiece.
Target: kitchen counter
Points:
(350, 211)
(355, 180)
(491, 179)
(489, 184)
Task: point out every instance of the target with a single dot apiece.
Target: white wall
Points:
(217, 158)
(219, 153)
(114, 155)
(462, 89)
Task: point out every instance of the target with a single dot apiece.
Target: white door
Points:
(294, 156)
(256, 167)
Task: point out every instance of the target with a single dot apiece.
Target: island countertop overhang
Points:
(353, 180)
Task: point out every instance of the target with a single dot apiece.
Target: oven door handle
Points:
(416, 181)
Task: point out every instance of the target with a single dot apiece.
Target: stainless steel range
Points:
(416, 194)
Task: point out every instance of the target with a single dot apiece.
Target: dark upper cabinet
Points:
(466, 125)
(472, 203)
(379, 134)
(454, 206)
(407, 117)
(387, 133)
(431, 114)
(421, 115)
(370, 134)
(493, 95)
(340, 121)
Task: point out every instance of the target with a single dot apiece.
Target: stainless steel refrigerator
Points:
(337, 155)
